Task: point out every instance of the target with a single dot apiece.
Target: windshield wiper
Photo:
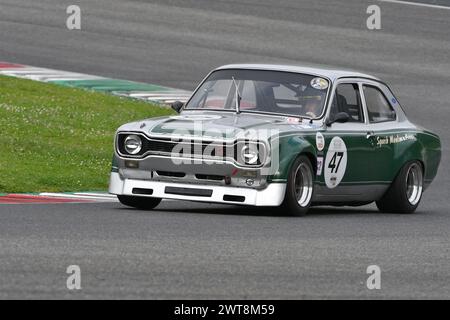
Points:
(238, 96)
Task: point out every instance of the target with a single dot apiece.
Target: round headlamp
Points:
(133, 144)
(250, 155)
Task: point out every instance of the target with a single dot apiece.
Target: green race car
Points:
(271, 135)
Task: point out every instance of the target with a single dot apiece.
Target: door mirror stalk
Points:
(177, 105)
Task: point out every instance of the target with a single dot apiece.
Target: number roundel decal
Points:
(335, 162)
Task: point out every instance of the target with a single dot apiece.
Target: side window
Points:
(347, 99)
(378, 108)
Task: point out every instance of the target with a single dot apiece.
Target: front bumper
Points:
(272, 195)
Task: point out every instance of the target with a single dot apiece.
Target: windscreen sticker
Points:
(319, 83)
(335, 162)
(292, 120)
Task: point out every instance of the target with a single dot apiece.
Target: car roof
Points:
(324, 71)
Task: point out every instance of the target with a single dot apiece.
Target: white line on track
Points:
(93, 194)
(87, 196)
(417, 4)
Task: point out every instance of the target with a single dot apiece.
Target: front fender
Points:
(289, 148)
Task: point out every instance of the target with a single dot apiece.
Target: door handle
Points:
(370, 135)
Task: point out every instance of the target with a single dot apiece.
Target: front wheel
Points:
(144, 203)
(300, 187)
(405, 192)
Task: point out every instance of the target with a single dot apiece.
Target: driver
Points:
(312, 103)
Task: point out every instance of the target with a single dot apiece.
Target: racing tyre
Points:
(300, 187)
(144, 203)
(405, 192)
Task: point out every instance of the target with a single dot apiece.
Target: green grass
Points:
(54, 138)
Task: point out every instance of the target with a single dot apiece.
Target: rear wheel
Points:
(405, 193)
(144, 203)
(300, 187)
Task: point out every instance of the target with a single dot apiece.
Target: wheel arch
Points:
(289, 151)
(420, 161)
(426, 149)
(312, 158)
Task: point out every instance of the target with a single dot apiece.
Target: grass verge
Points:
(54, 138)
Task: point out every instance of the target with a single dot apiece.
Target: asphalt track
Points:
(192, 250)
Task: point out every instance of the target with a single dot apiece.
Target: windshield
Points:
(285, 93)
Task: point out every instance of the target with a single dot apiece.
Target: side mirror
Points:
(340, 117)
(177, 105)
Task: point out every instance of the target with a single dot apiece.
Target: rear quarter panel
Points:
(430, 154)
(426, 148)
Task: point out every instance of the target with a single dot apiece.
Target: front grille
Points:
(184, 148)
(161, 146)
(191, 148)
(194, 149)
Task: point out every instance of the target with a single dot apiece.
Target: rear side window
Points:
(378, 107)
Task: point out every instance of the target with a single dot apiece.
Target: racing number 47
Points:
(332, 165)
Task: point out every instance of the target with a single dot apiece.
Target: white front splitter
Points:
(272, 195)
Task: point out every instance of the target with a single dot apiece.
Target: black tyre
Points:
(144, 203)
(405, 192)
(300, 187)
